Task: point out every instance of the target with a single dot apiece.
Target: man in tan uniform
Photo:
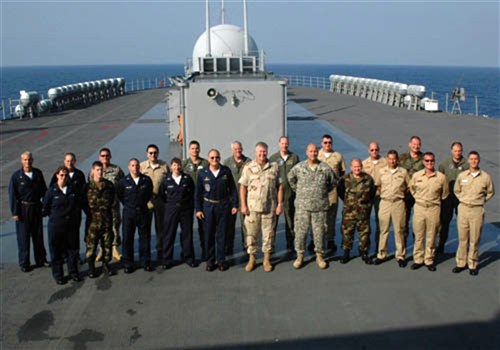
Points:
(261, 196)
(372, 166)
(472, 188)
(335, 161)
(392, 182)
(428, 187)
(156, 169)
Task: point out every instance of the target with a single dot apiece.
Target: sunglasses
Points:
(373, 150)
(216, 157)
(104, 155)
(153, 152)
(327, 142)
(428, 160)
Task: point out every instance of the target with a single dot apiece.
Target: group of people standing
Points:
(306, 192)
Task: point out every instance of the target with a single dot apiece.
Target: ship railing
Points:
(8, 105)
(306, 81)
(147, 84)
(470, 106)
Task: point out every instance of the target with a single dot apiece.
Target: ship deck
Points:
(352, 306)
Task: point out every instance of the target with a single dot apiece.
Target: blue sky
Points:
(449, 33)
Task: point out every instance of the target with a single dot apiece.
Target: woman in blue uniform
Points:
(177, 192)
(62, 205)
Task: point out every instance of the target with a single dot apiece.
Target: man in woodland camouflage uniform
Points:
(99, 196)
(357, 190)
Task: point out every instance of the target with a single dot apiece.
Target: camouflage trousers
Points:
(354, 219)
(255, 223)
(117, 220)
(99, 232)
(305, 219)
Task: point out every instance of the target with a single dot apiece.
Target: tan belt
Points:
(392, 200)
(427, 204)
(471, 205)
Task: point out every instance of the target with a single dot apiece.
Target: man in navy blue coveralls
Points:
(26, 190)
(135, 191)
(177, 192)
(216, 198)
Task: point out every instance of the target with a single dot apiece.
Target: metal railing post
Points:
(446, 102)
(3, 109)
(477, 106)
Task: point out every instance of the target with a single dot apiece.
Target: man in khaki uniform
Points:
(261, 196)
(428, 187)
(372, 166)
(473, 188)
(236, 163)
(335, 161)
(156, 170)
(392, 183)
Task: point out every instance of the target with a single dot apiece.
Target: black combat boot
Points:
(366, 258)
(92, 273)
(107, 270)
(346, 257)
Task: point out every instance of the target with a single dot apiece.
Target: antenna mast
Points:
(245, 26)
(207, 24)
(222, 13)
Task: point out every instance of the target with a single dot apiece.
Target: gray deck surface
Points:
(352, 306)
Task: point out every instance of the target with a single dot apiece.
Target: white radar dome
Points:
(226, 40)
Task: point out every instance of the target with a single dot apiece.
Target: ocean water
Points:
(481, 82)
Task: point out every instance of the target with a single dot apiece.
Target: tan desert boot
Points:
(116, 253)
(251, 263)
(297, 264)
(267, 263)
(320, 261)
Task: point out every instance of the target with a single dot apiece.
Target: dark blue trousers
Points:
(30, 226)
(64, 242)
(173, 217)
(140, 220)
(215, 222)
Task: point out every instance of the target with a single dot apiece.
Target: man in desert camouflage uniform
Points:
(312, 180)
(99, 196)
(261, 201)
(357, 191)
